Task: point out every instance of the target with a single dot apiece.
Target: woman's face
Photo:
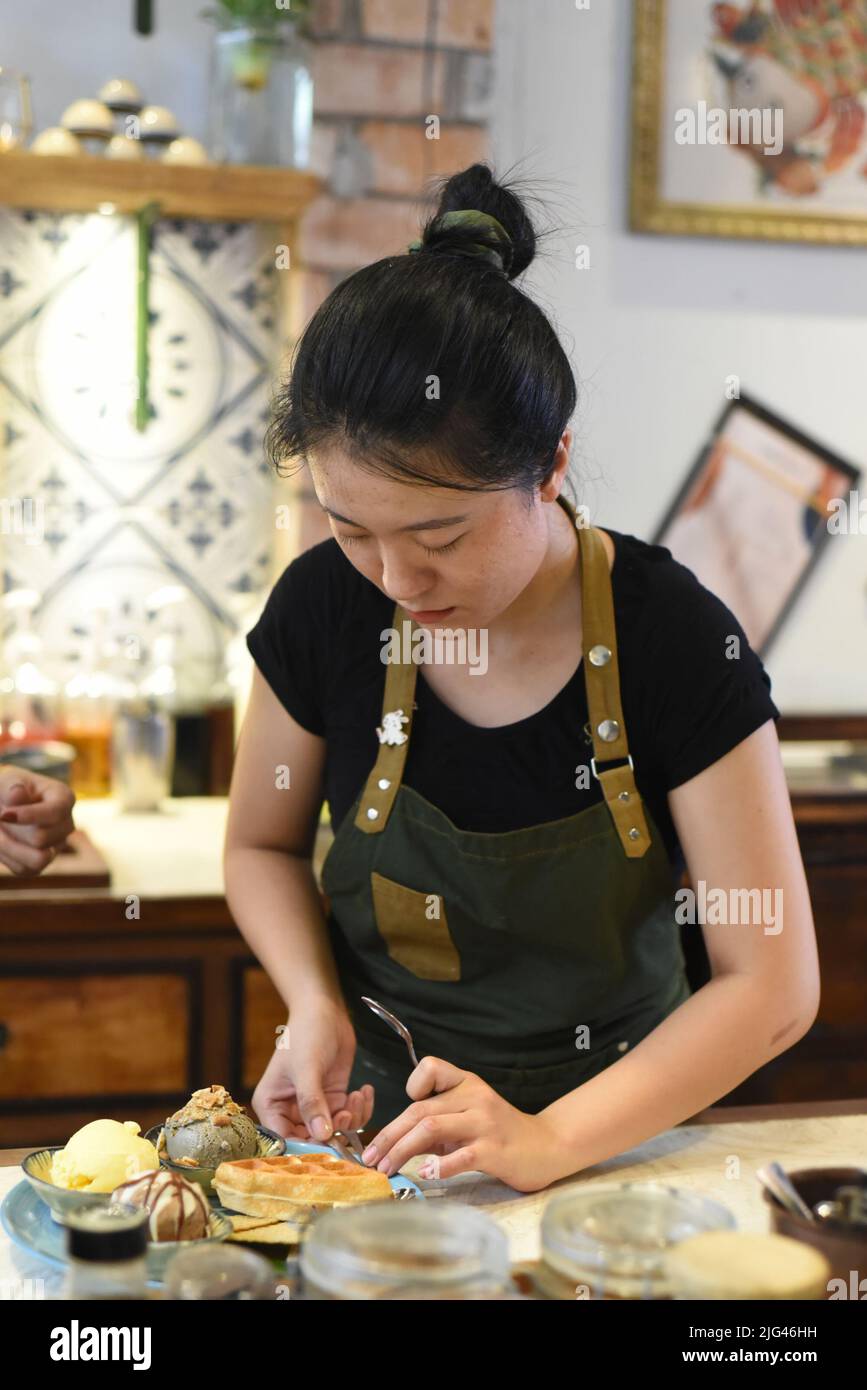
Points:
(450, 558)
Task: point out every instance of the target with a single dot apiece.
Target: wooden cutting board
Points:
(79, 864)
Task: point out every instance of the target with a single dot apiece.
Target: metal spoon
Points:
(393, 1022)
(774, 1179)
(347, 1145)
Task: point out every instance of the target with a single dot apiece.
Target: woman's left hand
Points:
(458, 1115)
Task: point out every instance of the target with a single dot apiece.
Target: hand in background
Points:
(302, 1092)
(35, 819)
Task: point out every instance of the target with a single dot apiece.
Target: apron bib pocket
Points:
(414, 928)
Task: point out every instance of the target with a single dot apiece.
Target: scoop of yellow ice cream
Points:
(102, 1155)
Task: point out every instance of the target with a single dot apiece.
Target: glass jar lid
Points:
(615, 1238)
(360, 1251)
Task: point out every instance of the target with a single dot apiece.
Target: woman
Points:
(509, 833)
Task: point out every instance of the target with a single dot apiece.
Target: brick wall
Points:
(380, 68)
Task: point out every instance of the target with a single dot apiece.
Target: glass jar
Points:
(107, 1252)
(365, 1251)
(261, 108)
(611, 1242)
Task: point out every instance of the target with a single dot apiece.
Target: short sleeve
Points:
(710, 689)
(287, 644)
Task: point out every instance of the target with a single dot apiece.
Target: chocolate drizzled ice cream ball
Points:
(210, 1129)
(178, 1209)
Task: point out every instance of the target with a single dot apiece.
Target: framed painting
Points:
(755, 512)
(750, 119)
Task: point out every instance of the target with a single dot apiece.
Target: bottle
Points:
(107, 1252)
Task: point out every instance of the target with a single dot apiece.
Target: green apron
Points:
(534, 958)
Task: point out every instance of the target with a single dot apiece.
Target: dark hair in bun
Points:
(432, 367)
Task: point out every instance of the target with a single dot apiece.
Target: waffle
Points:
(277, 1186)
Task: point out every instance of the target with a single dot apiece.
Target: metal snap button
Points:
(608, 730)
(599, 655)
(635, 833)
(372, 813)
(383, 784)
(623, 796)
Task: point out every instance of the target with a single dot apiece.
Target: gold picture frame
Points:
(651, 211)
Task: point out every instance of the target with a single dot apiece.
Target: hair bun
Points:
(480, 218)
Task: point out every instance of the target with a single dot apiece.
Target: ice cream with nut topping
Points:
(210, 1129)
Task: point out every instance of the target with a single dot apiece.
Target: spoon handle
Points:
(778, 1184)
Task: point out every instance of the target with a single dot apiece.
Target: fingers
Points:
(42, 822)
(21, 857)
(24, 790)
(465, 1160)
(356, 1113)
(433, 1075)
(433, 1134)
(455, 1102)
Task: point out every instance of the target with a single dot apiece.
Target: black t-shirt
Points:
(685, 702)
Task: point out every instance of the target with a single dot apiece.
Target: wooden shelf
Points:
(217, 192)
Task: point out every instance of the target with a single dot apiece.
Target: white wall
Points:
(69, 48)
(657, 323)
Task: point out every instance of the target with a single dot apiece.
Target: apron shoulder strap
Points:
(602, 682)
(398, 703)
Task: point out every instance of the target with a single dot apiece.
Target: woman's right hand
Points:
(302, 1092)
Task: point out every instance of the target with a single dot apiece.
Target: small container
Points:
(741, 1265)
(612, 1242)
(107, 1248)
(366, 1251)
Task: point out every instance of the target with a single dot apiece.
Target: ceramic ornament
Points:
(157, 125)
(56, 140)
(88, 119)
(124, 147)
(121, 96)
(185, 150)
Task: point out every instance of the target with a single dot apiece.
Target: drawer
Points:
(82, 1028)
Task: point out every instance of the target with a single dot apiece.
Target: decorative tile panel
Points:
(122, 513)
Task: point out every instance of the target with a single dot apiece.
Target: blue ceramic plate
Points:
(28, 1221)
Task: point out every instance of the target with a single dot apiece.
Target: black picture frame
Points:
(822, 535)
